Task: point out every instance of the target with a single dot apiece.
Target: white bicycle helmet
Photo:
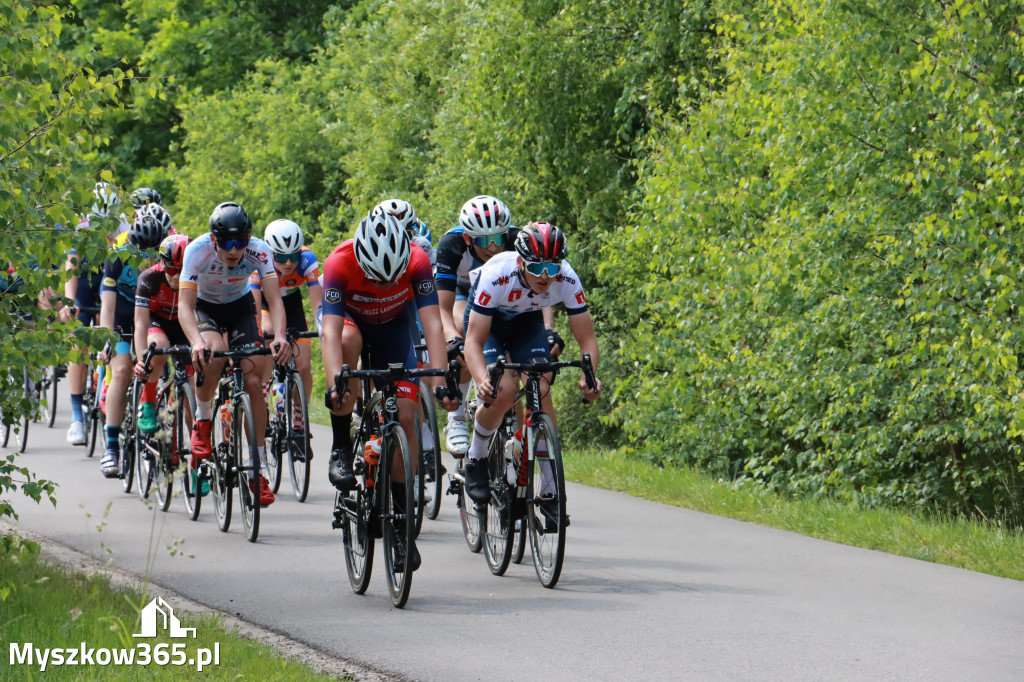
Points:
(284, 237)
(483, 216)
(401, 210)
(107, 201)
(382, 247)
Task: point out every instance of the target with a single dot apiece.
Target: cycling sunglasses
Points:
(231, 244)
(173, 272)
(287, 257)
(487, 240)
(538, 269)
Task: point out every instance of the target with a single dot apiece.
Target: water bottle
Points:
(225, 422)
(512, 451)
(371, 454)
(279, 399)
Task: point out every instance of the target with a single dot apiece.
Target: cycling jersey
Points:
(348, 290)
(498, 290)
(155, 293)
(455, 260)
(428, 248)
(307, 272)
(121, 275)
(122, 226)
(215, 281)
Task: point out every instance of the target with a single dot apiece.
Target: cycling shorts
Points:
(124, 316)
(389, 343)
(294, 315)
(87, 295)
(522, 338)
(237, 319)
(170, 328)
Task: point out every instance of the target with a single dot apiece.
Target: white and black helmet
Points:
(483, 216)
(284, 237)
(401, 210)
(382, 247)
(150, 226)
(107, 201)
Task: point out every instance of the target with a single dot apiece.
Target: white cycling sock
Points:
(204, 409)
(481, 436)
(261, 450)
(460, 411)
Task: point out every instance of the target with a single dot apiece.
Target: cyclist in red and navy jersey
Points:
(156, 320)
(368, 284)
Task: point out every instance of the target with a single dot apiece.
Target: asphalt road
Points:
(648, 591)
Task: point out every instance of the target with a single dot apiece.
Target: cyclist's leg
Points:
(120, 374)
(78, 372)
(207, 315)
(339, 470)
(457, 428)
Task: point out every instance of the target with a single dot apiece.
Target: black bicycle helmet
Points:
(150, 226)
(230, 221)
(143, 196)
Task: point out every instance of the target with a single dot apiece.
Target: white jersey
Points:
(496, 289)
(203, 269)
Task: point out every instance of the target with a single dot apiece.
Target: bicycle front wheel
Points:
(49, 393)
(498, 525)
(397, 514)
(22, 431)
(184, 411)
(167, 444)
(145, 459)
(353, 511)
(547, 516)
(222, 466)
(243, 442)
(468, 515)
(431, 470)
(277, 435)
(299, 453)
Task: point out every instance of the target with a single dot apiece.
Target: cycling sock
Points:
(478, 448)
(460, 411)
(112, 433)
(204, 409)
(76, 408)
(149, 392)
(261, 450)
(341, 426)
(427, 436)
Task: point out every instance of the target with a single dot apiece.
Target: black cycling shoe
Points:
(549, 510)
(414, 558)
(477, 486)
(339, 470)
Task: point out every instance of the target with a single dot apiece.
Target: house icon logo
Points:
(158, 611)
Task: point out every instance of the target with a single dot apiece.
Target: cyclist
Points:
(368, 282)
(217, 311)
(505, 317)
(156, 320)
(484, 230)
(407, 220)
(84, 289)
(144, 196)
(117, 312)
(296, 265)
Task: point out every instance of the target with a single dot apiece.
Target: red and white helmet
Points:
(541, 243)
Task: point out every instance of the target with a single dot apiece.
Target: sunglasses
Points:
(232, 244)
(173, 272)
(539, 269)
(287, 257)
(487, 240)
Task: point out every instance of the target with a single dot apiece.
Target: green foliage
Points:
(46, 136)
(829, 298)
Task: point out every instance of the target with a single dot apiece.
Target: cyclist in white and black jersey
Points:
(505, 317)
(217, 312)
(484, 230)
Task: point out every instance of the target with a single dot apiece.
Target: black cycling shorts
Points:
(237, 319)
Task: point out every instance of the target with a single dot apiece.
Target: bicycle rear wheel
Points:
(243, 441)
(167, 444)
(221, 485)
(547, 516)
(126, 439)
(397, 514)
(519, 541)
(277, 436)
(93, 414)
(184, 411)
(49, 393)
(299, 453)
(431, 469)
(468, 515)
(21, 435)
(145, 459)
(497, 537)
(353, 510)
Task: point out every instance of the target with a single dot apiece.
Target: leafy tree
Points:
(46, 143)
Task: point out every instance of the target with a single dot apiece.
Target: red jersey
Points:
(155, 293)
(347, 289)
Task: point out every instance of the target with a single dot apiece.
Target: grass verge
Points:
(50, 607)
(980, 547)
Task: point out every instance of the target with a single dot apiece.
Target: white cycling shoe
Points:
(76, 433)
(108, 465)
(457, 436)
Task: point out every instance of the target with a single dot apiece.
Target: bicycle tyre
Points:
(221, 485)
(21, 434)
(355, 508)
(94, 414)
(470, 518)
(497, 521)
(519, 541)
(50, 387)
(397, 516)
(277, 436)
(298, 453)
(431, 457)
(144, 459)
(243, 430)
(547, 543)
(5, 432)
(183, 439)
(167, 445)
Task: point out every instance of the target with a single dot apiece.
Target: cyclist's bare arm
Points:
(476, 336)
(316, 298)
(187, 297)
(582, 326)
(272, 292)
(430, 318)
(446, 305)
(142, 321)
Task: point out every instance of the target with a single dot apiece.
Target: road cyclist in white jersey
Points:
(504, 317)
(217, 312)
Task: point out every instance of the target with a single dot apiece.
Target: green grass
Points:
(52, 608)
(954, 542)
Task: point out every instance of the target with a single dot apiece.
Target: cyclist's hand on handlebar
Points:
(200, 356)
(141, 371)
(67, 313)
(334, 401)
(282, 352)
(590, 395)
(104, 356)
